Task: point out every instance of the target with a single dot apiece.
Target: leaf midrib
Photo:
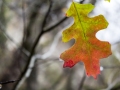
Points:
(88, 47)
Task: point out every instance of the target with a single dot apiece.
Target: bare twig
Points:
(52, 27)
(6, 82)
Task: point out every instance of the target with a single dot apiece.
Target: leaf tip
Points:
(68, 63)
(94, 76)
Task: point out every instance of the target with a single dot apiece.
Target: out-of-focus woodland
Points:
(30, 46)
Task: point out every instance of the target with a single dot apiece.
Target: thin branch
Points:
(52, 27)
(33, 48)
(6, 35)
(45, 18)
(6, 82)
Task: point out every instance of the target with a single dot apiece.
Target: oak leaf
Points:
(87, 47)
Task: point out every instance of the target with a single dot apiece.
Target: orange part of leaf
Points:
(87, 47)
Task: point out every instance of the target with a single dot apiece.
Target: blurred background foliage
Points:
(33, 59)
